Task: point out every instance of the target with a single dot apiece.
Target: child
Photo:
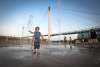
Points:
(36, 39)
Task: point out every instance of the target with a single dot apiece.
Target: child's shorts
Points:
(36, 45)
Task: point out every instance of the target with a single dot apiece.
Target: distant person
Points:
(70, 42)
(65, 41)
(36, 39)
(83, 39)
(93, 35)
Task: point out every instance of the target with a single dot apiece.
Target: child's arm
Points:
(31, 32)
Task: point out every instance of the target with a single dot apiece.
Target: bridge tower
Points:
(49, 23)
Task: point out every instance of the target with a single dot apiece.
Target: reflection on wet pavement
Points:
(49, 56)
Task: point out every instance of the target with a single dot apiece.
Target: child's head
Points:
(37, 28)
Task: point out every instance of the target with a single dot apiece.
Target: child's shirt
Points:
(37, 36)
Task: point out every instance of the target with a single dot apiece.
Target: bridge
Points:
(73, 32)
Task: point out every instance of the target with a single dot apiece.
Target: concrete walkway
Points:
(50, 56)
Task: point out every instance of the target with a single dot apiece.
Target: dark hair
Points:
(37, 28)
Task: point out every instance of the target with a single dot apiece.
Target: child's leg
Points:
(38, 47)
(34, 50)
(35, 46)
(38, 50)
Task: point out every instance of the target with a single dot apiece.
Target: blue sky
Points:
(74, 14)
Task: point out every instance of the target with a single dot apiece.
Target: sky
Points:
(19, 16)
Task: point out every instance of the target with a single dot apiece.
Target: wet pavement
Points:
(49, 56)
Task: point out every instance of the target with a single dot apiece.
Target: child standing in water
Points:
(36, 39)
